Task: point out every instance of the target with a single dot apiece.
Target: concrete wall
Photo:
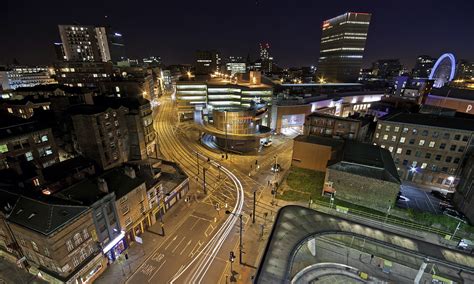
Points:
(361, 190)
(311, 156)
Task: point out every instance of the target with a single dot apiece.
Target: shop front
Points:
(113, 249)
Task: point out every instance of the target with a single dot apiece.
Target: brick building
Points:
(319, 124)
(314, 152)
(427, 149)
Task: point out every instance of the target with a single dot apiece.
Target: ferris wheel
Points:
(443, 70)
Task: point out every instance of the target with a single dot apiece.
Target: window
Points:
(421, 143)
(408, 152)
(432, 144)
(424, 133)
(444, 169)
(456, 160)
(414, 131)
(405, 130)
(446, 136)
(128, 221)
(85, 234)
(449, 159)
(35, 246)
(399, 150)
(412, 141)
(397, 128)
(46, 251)
(435, 134)
(424, 165)
(387, 128)
(29, 156)
(390, 149)
(394, 138)
(402, 139)
(434, 168)
(44, 138)
(457, 137)
(438, 158)
(377, 135)
(69, 245)
(75, 261)
(461, 149)
(452, 148)
(77, 239)
(442, 146)
(379, 126)
(3, 148)
(124, 209)
(83, 254)
(405, 162)
(428, 156)
(382, 146)
(465, 138)
(385, 137)
(414, 163)
(418, 154)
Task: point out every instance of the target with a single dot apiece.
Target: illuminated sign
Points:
(115, 241)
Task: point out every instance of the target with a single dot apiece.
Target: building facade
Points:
(342, 47)
(207, 62)
(83, 74)
(319, 124)
(427, 149)
(423, 66)
(464, 196)
(22, 77)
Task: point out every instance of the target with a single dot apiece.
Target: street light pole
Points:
(204, 179)
(240, 245)
(197, 160)
(254, 201)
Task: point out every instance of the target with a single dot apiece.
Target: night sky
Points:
(174, 29)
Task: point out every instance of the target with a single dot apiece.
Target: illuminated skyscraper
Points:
(265, 58)
(342, 47)
(423, 66)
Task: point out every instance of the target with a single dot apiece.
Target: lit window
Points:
(35, 246)
(377, 135)
(399, 150)
(394, 138)
(390, 149)
(85, 233)
(432, 144)
(117, 89)
(385, 137)
(3, 148)
(29, 156)
(382, 146)
(44, 138)
(379, 126)
(422, 142)
(414, 163)
(10, 110)
(77, 239)
(405, 130)
(424, 165)
(397, 128)
(402, 139)
(387, 128)
(69, 245)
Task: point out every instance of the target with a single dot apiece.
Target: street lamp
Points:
(240, 233)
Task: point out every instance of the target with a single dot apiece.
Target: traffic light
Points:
(232, 256)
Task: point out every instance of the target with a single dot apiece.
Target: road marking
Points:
(185, 247)
(158, 257)
(156, 271)
(193, 251)
(147, 269)
(212, 229)
(171, 242)
(178, 244)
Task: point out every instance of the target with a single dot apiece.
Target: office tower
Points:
(207, 62)
(265, 58)
(342, 47)
(89, 43)
(59, 51)
(423, 66)
(386, 68)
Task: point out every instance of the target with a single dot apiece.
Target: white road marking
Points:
(156, 271)
(171, 242)
(178, 245)
(185, 247)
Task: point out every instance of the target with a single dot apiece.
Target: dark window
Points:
(442, 145)
(412, 141)
(461, 149)
(465, 138)
(408, 152)
(449, 159)
(452, 148)
(427, 155)
(405, 162)
(418, 154)
(424, 133)
(456, 161)
(457, 137)
(446, 136)
(434, 168)
(438, 158)
(435, 134)
(444, 169)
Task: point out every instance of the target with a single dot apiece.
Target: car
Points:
(455, 214)
(267, 143)
(276, 168)
(440, 195)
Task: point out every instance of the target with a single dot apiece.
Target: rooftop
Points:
(44, 217)
(120, 183)
(333, 142)
(66, 168)
(432, 120)
(11, 126)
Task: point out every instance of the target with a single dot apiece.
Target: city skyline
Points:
(168, 29)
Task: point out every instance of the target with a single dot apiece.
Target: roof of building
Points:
(325, 115)
(432, 120)
(326, 141)
(121, 183)
(86, 192)
(66, 168)
(7, 201)
(452, 92)
(366, 160)
(11, 126)
(25, 100)
(113, 102)
(44, 217)
(87, 109)
(52, 88)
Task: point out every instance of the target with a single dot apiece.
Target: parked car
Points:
(440, 195)
(455, 214)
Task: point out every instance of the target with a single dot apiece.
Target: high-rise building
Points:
(89, 43)
(207, 62)
(342, 47)
(465, 70)
(19, 77)
(265, 58)
(423, 66)
(386, 68)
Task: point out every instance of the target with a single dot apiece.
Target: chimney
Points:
(130, 172)
(102, 185)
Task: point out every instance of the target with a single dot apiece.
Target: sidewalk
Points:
(138, 253)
